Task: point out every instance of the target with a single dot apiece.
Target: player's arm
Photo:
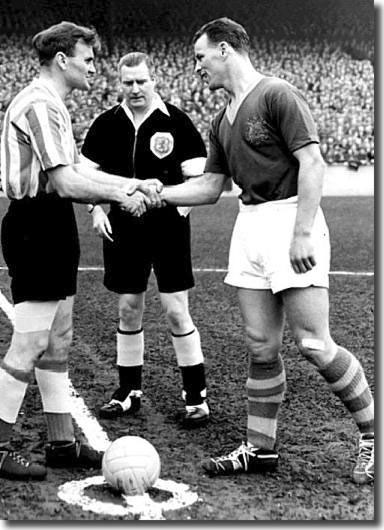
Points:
(71, 184)
(91, 170)
(96, 175)
(191, 168)
(310, 187)
(205, 189)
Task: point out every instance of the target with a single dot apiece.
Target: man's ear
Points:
(223, 46)
(61, 60)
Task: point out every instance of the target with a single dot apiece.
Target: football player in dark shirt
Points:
(266, 140)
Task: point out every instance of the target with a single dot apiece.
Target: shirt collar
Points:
(51, 89)
(157, 104)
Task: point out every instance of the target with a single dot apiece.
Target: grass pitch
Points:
(316, 436)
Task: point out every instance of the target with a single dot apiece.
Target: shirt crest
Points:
(256, 130)
(161, 144)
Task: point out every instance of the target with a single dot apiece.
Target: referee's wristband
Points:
(91, 207)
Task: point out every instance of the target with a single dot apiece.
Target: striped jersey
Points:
(37, 136)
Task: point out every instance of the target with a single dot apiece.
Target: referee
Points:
(144, 137)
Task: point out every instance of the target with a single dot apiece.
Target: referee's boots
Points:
(196, 409)
(121, 405)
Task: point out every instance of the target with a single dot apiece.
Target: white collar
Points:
(157, 104)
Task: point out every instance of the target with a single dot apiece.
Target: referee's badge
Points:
(161, 144)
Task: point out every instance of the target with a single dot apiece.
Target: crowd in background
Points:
(324, 48)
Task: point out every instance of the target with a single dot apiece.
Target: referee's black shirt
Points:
(155, 150)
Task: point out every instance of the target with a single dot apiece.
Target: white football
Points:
(131, 465)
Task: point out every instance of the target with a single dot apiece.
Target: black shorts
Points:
(160, 239)
(40, 246)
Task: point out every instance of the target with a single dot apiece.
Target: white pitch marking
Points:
(7, 307)
(332, 273)
(92, 429)
(141, 506)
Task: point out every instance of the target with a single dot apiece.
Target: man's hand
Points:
(151, 188)
(301, 253)
(135, 204)
(130, 186)
(101, 224)
(156, 183)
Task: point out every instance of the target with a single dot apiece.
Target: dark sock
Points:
(193, 383)
(130, 379)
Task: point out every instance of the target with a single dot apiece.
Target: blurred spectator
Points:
(324, 48)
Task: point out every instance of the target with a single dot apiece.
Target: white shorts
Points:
(259, 251)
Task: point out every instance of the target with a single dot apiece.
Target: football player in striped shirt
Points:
(41, 176)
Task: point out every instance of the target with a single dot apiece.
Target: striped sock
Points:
(53, 382)
(346, 378)
(6, 430)
(265, 390)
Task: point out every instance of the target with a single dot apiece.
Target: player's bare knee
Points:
(262, 348)
(130, 316)
(59, 343)
(26, 349)
(179, 320)
(316, 350)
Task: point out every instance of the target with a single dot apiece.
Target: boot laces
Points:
(16, 457)
(244, 451)
(366, 453)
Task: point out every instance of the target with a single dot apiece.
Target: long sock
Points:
(6, 430)
(194, 384)
(53, 382)
(188, 348)
(13, 385)
(130, 360)
(190, 359)
(346, 378)
(265, 390)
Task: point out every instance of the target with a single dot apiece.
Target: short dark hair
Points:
(62, 37)
(134, 59)
(225, 29)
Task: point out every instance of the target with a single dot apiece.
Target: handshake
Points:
(138, 197)
(141, 195)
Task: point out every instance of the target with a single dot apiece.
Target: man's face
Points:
(80, 67)
(138, 86)
(209, 62)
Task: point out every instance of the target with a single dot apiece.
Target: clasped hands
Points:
(142, 195)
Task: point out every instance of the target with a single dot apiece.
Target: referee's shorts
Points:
(260, 244)
(40, 246)
(160, 240)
